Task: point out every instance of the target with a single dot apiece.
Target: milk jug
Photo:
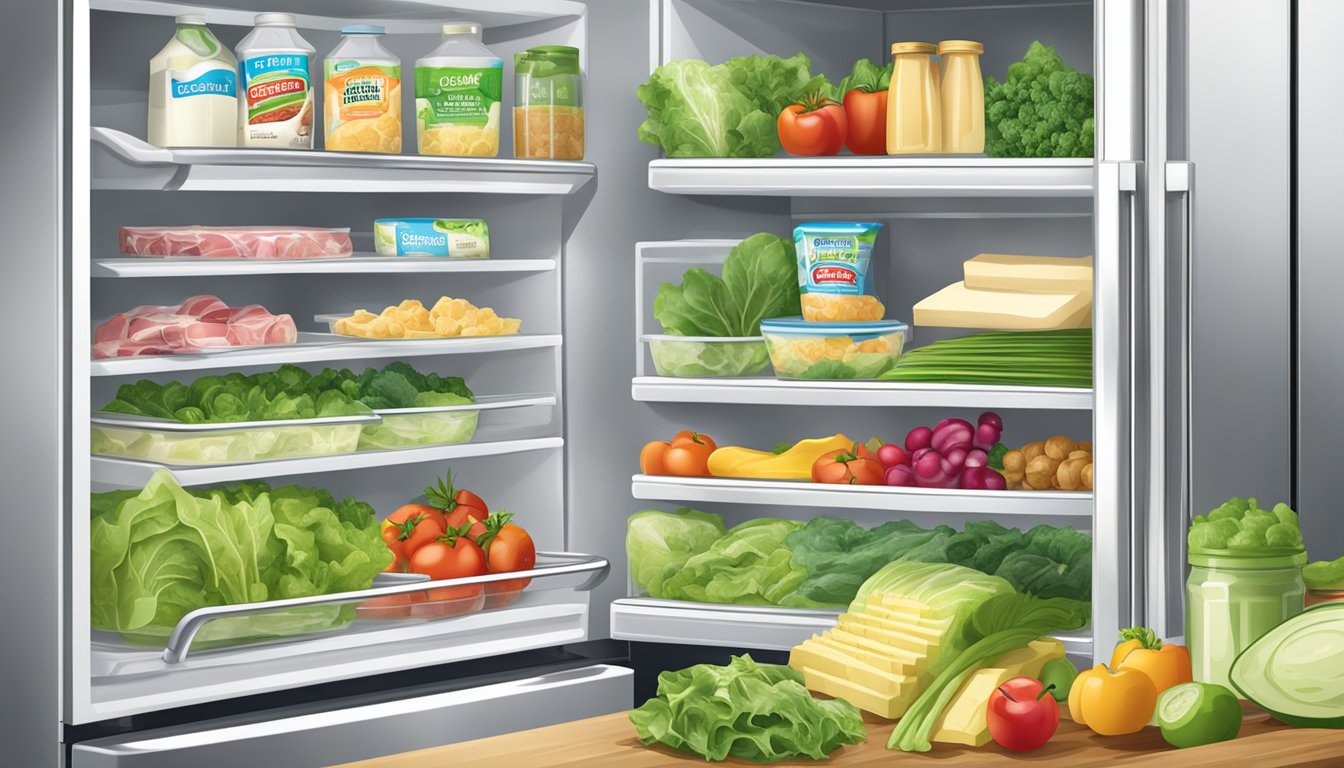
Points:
(193, 90)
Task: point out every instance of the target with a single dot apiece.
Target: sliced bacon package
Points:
(198, 323)
(237, 242)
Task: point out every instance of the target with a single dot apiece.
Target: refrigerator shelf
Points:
(946, 176)
(123, 162)
(989, 504)
(767, 391)
(319, 348)
(644, 619)
(397, 16)
(359, 264)
(127, 473)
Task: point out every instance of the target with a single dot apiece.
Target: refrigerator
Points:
(1213, 351)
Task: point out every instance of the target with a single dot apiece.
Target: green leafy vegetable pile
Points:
(725, 110)
(1029, 358)
(760, 281)
(756, 712)
(688, 555)
(289, 393)
(867, 77)
(1043, 108)
(161, 552)
(1324, 574)
(1240, 527)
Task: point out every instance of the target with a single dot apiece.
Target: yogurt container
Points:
(833, 259)
(803, 350)
(444, 238)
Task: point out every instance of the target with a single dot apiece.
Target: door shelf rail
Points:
(767, 391)
(644, 619)
(550, 565)
(876, 497)
(358, 264)
(123, 162)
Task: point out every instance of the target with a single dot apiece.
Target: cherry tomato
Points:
(817, 126)
(1022, 715)
(651, 458)
(853, 466)
(866, 117)
(689, 459)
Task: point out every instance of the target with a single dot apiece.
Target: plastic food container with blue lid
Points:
(830, 351)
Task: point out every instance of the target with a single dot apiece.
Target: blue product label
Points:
(203, 80)
(833, 257)
(289, 63)
(421, 238)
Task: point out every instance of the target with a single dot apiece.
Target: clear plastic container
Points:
(174, 443)
(363, 93)
(1233, 599)
(963, 97)
(829, 351)
(914, 107)
(458, 87)
(548, 103)
(707, 356)
(193, 89)
(275, 96)
(415, 427)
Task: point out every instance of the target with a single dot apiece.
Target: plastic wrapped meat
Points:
(200, 322)
(237, 242)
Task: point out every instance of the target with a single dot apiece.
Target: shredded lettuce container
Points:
(174, 443)
(707, 356)
(803, 350)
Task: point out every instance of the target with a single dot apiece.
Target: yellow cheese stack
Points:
(964, 721)
(876, 660)
(1014, 293)
(448, 317)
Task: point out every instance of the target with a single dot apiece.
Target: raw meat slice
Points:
(200, 322)
(237, 242)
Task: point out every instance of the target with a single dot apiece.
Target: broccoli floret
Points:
(1043, 108)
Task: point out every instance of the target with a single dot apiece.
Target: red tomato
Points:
(651, 458)
(1022, 715)
(408, 529)
(470, 516)
(687, 436)
(866, 115)
(459, 506)
(507, 548)
(451, 556)
(688, 459)
(815, 127)
(855, 466)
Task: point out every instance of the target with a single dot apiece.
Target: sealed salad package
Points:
(833, 259)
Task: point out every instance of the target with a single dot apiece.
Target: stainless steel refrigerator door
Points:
(313, 737)
(1320, 271)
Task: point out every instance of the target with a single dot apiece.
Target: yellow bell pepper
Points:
(1166, 665)
(1112, 703)
(793, 464)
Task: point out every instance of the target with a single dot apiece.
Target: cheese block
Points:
(957, 306)
(1050, 274)
(878, 654)
(938, 625)
(889, 635)
(965, 721)
(859, 695)
(914, 628)
(848, 667)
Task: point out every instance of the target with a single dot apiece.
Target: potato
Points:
(1059, 447)
(1041, 473)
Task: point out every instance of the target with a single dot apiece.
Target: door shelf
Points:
(319, 348)
(127, 473)
(949, 176)
(398, 16)
(643, 619)
(804, 494)
(123, 162)
(763, 391)
(359, 264)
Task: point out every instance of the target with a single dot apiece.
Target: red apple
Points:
(1022, 717)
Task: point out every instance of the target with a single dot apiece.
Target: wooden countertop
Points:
(610, 742)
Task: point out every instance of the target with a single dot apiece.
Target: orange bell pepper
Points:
(1166, 665)
(1112, 703)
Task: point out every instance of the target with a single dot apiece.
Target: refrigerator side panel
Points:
(1320, 241)
(32, 292)
(1238, 139)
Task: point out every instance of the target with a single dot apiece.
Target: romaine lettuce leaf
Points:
(760, 281)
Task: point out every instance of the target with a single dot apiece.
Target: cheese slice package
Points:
(958, 306)
(1047, 274)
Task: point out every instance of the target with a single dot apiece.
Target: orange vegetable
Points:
(1112, 703)
(687, 436)
(1166, 665)
(652, 458)
(688, 459)
(851, 466)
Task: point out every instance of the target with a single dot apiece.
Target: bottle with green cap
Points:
(548, 103)
(458, 87)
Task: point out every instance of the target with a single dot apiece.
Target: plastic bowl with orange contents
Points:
(803, 350)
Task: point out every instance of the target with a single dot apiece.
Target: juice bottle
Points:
(458, 87)
(963, 96)
(363, 93)
(193, 90)
(275, 101)
(914, 109)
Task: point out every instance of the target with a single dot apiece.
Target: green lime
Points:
(1059, 673)
(1192, 714)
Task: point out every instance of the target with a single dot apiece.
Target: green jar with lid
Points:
(548, 103)
(1235, 596)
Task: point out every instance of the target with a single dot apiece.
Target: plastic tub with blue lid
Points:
(830, 351)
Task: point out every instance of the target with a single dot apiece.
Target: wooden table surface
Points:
(610, 742)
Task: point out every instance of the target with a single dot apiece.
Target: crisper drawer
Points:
(313, 737)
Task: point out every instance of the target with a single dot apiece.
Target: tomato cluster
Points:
(686, 454)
